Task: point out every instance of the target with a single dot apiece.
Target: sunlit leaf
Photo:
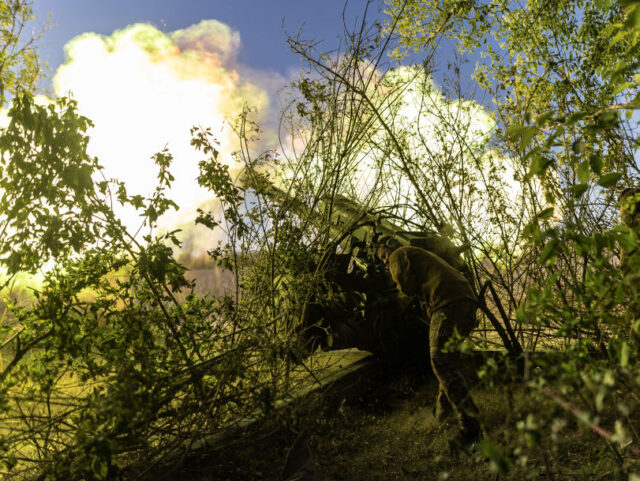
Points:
(622, 86)
(546, 213)
(584, 172)
(596, 163)
(578, 189)
(610, 179)
(618, 37)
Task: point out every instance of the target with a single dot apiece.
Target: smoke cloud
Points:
(144, 90)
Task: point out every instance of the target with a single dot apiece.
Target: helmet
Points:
(388, 241)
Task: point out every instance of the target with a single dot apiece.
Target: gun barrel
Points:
(348, 220)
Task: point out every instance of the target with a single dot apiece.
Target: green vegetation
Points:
(116, 368)
(20, 66)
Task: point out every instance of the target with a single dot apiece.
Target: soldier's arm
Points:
(401, 273)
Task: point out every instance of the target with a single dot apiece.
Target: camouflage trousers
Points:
(456, 317)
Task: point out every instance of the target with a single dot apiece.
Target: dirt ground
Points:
(388, 432)
(393, 435)
(388, 437)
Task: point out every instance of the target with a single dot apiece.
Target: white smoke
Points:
(144, 90)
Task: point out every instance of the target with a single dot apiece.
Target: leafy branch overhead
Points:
(48, 194)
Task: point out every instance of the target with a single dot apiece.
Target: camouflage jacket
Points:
(418, 272)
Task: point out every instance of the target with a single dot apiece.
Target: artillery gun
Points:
(358, 305)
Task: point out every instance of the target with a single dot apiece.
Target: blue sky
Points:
(260, 23)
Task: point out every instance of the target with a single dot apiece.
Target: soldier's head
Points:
(403, 273)
(386, 246)
(629, 201)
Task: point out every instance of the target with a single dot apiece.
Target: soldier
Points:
(450, 305)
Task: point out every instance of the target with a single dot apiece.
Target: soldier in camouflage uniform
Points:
(450, 305)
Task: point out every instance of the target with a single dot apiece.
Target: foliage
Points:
(47, 192)
(117, 366)
(563, 80)
(20, 65)
(422, 157)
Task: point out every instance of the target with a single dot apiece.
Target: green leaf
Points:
(99, 468)
(633, 19)
(532, 230)
(622, 86)
(527, 135)
(546, 213)
(620, 68)
(544, 117)
(11, 461)
(539, 165)
(595, 161)
(618, 37)
(577, 117)
(578, 146)
(625, 238)
(498, 463)
(584, 172)
(137, 201)
(610, 179)
(514, 132)
(548, 251)
(578, 189)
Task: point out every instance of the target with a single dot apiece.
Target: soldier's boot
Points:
(467, 440)
(470, 430)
